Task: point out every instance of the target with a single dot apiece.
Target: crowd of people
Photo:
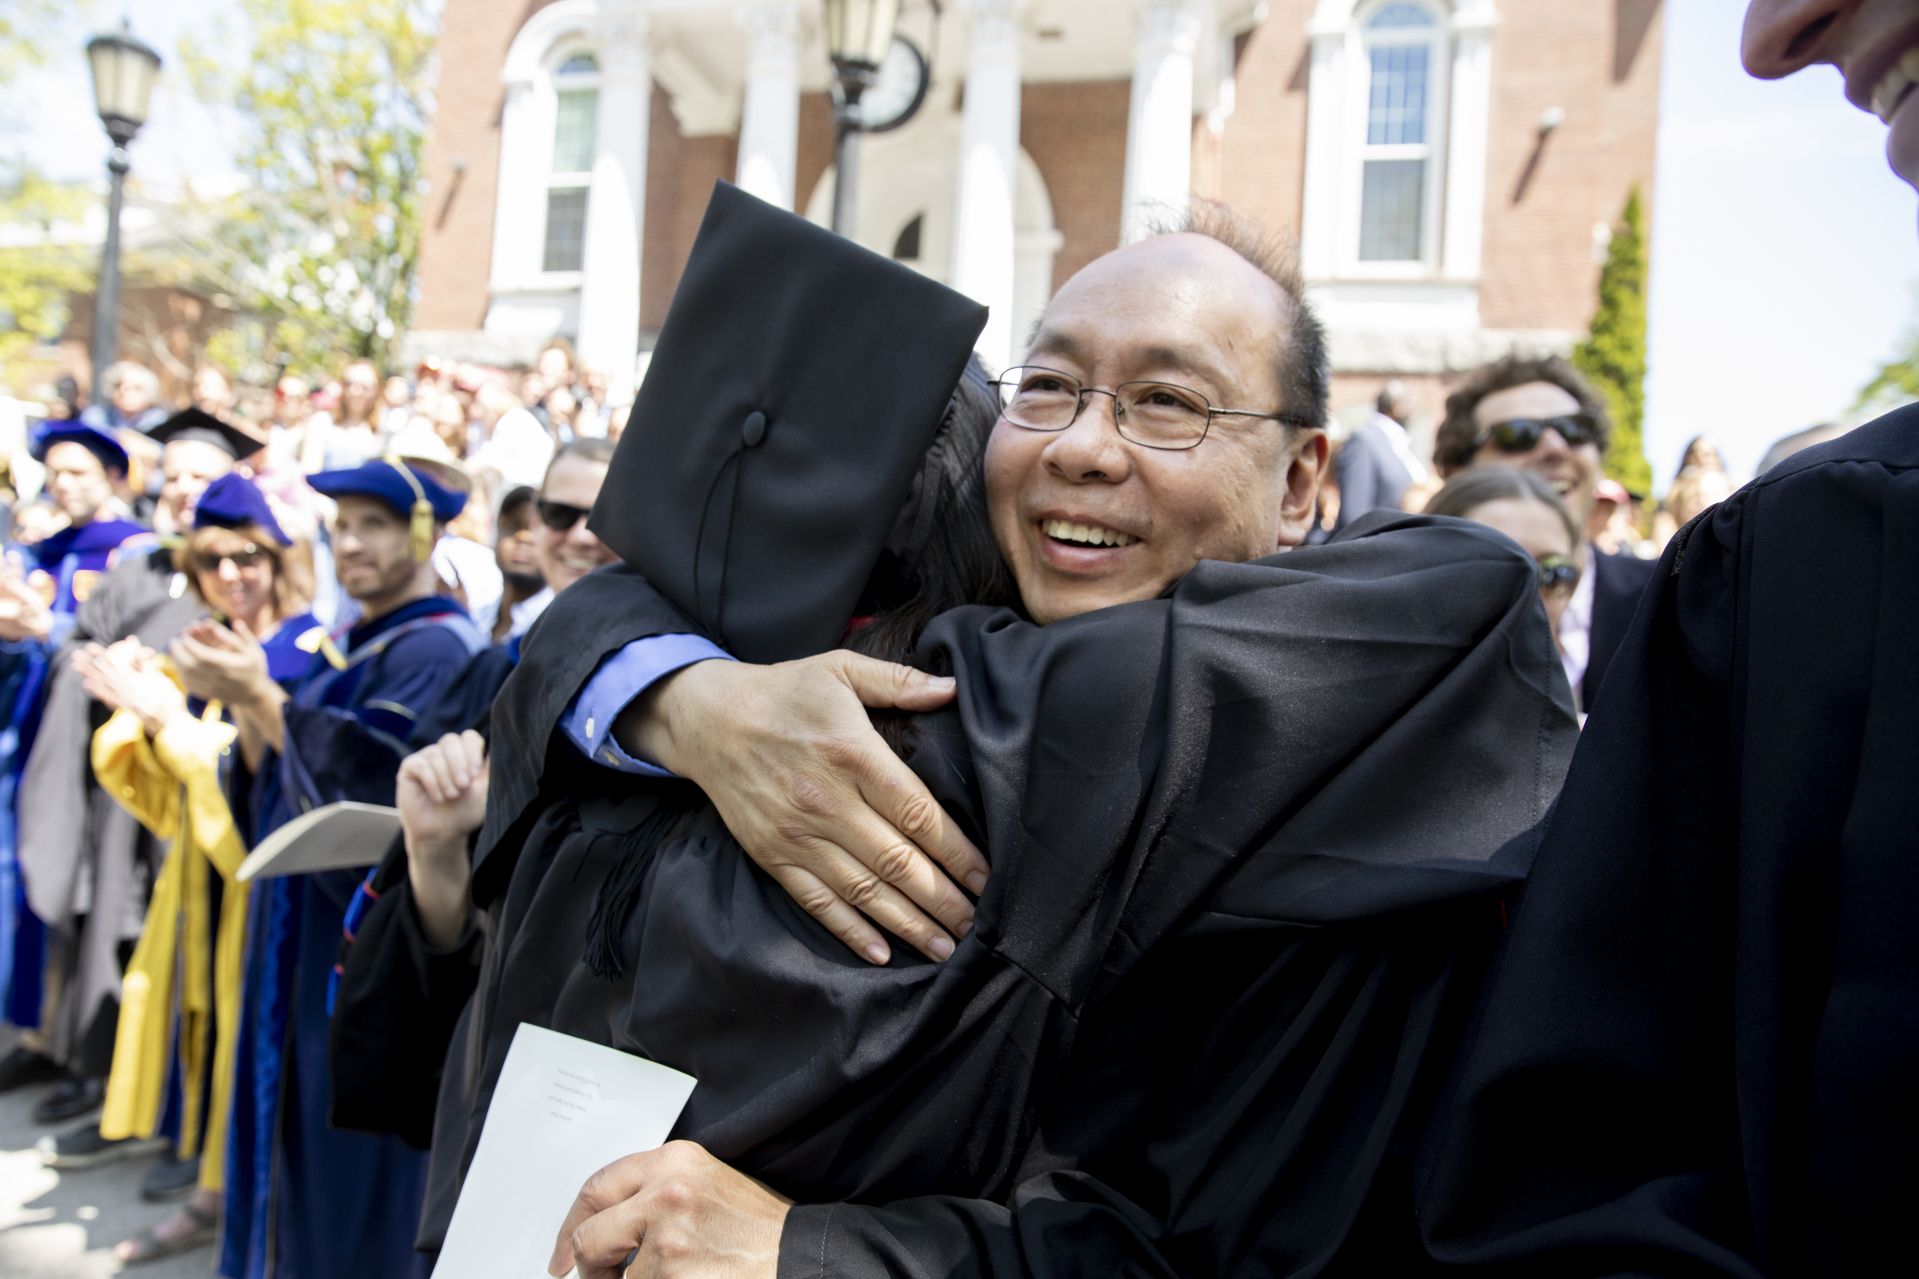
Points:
(1217, 775)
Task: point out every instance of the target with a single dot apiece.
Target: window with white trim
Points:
(1405, 47)
(576, 109)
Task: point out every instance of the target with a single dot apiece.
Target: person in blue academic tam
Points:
(303, 1199)
(41, 587)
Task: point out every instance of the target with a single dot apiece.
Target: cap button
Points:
(755, 429)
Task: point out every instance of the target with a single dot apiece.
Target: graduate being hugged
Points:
(300, 1195)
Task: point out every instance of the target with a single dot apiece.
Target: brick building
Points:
(1450, 167)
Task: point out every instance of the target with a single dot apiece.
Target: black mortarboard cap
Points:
(795, 387)
(197, 424)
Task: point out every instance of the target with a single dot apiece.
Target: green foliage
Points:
(1896, 382)
(26, 28)
(35, 279)
(1613, 356)
(331, 98)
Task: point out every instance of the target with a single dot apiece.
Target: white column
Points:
(983, 243)
(512, 261)
(616, 207)
(1159, 126)
(1471, 94)
(1320, 222)
(770, 117)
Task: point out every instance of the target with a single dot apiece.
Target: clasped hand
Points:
(221, 664)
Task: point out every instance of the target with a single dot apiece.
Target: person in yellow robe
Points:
(163, 756)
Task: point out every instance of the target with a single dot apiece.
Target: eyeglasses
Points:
(1557, 576)
(1522, 434)
(1158, 415)
(248, 556)
(559, 516)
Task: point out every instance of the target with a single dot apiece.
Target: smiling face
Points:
(567, 555)
(1873, 43)
(1085, 518)
(233, 573)
(1573, 471)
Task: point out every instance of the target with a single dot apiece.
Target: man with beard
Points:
(302, 1198)
(1698, 1052)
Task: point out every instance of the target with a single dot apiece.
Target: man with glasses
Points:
(1537, 414)
(1157, 446)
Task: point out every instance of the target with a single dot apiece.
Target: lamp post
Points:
(858, 33)
(123, 73)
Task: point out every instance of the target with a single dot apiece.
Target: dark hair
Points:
(941, 553)
(1475, 486)
(1453, 447)
(1305, 378)
(520, 495)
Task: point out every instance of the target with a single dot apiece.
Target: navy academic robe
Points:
(305, 1201)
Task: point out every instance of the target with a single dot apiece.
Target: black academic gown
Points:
(1249, 845)
(1699, 1053)
(381, 1078)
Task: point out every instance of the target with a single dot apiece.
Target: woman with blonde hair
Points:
(162, 754)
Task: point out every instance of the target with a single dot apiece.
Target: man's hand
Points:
(441, 793)
(222, 665)
(790, 759)
(679, 1213)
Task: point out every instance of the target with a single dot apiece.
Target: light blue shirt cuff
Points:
(618, 682)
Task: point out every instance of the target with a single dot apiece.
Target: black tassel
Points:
(604, 955)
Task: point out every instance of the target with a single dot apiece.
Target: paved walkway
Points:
(64, 1225)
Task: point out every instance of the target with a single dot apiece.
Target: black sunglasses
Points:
(559, 516)
(1557, 575)
(1522, 434)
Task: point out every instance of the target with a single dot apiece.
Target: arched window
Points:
(1398, 205)
(576, 108)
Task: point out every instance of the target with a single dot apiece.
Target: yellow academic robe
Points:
(171, 784)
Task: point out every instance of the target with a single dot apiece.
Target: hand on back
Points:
(790, 758)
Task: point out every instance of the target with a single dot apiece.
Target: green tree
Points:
(331, 99)
(1897, 381)
(36, 279)
(1613, 355)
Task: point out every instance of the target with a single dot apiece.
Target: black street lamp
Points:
(858, 34)
(123, 73)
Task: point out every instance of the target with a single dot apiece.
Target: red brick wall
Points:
(680, 172)
(1600, 64)
(1258, 161)
(456, 240)
(1076, 134)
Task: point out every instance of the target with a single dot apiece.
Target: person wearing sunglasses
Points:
(1524, 508)
(1538, 414)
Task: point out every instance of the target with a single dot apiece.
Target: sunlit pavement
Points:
(64, 1225)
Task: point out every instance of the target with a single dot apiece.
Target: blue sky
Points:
(1785, 255)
